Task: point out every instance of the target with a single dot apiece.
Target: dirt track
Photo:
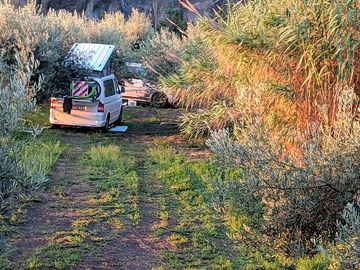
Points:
(66, 198)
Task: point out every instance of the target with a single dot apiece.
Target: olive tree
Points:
(17, 96)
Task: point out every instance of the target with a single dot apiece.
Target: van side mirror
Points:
(122, 89)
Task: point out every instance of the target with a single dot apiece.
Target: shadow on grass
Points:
(142, 121)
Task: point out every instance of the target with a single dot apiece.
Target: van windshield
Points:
(134, 70)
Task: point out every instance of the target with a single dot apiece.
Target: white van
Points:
(94, 102)
(101, 111)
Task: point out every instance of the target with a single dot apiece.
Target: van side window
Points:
(109, 88)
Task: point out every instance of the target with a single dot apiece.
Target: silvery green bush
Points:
(26, 30)
(301, 187)
(160, 53)
(17, 96)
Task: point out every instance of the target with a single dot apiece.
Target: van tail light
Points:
(101, 107)
(53, 103)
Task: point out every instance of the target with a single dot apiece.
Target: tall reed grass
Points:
(301, 51)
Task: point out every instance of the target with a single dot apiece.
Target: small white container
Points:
(132, 103)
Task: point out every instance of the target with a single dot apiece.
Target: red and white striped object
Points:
(80, 89)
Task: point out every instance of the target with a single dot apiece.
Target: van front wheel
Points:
(119, 120)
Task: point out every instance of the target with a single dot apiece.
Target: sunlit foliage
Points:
(299, 50)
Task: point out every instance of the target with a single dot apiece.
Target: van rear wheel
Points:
(105, 128)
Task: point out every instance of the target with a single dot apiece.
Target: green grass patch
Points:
(194, 228)
(39, 156)
(54, 257)
(197, 221)
(36, 157)
(152, 121)
(111, 170)
(318, 262)
(39, 115)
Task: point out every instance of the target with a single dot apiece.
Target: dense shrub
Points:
(16, 97)
(175, 21)
(159, 53)
(302, 189)
(50, 37)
